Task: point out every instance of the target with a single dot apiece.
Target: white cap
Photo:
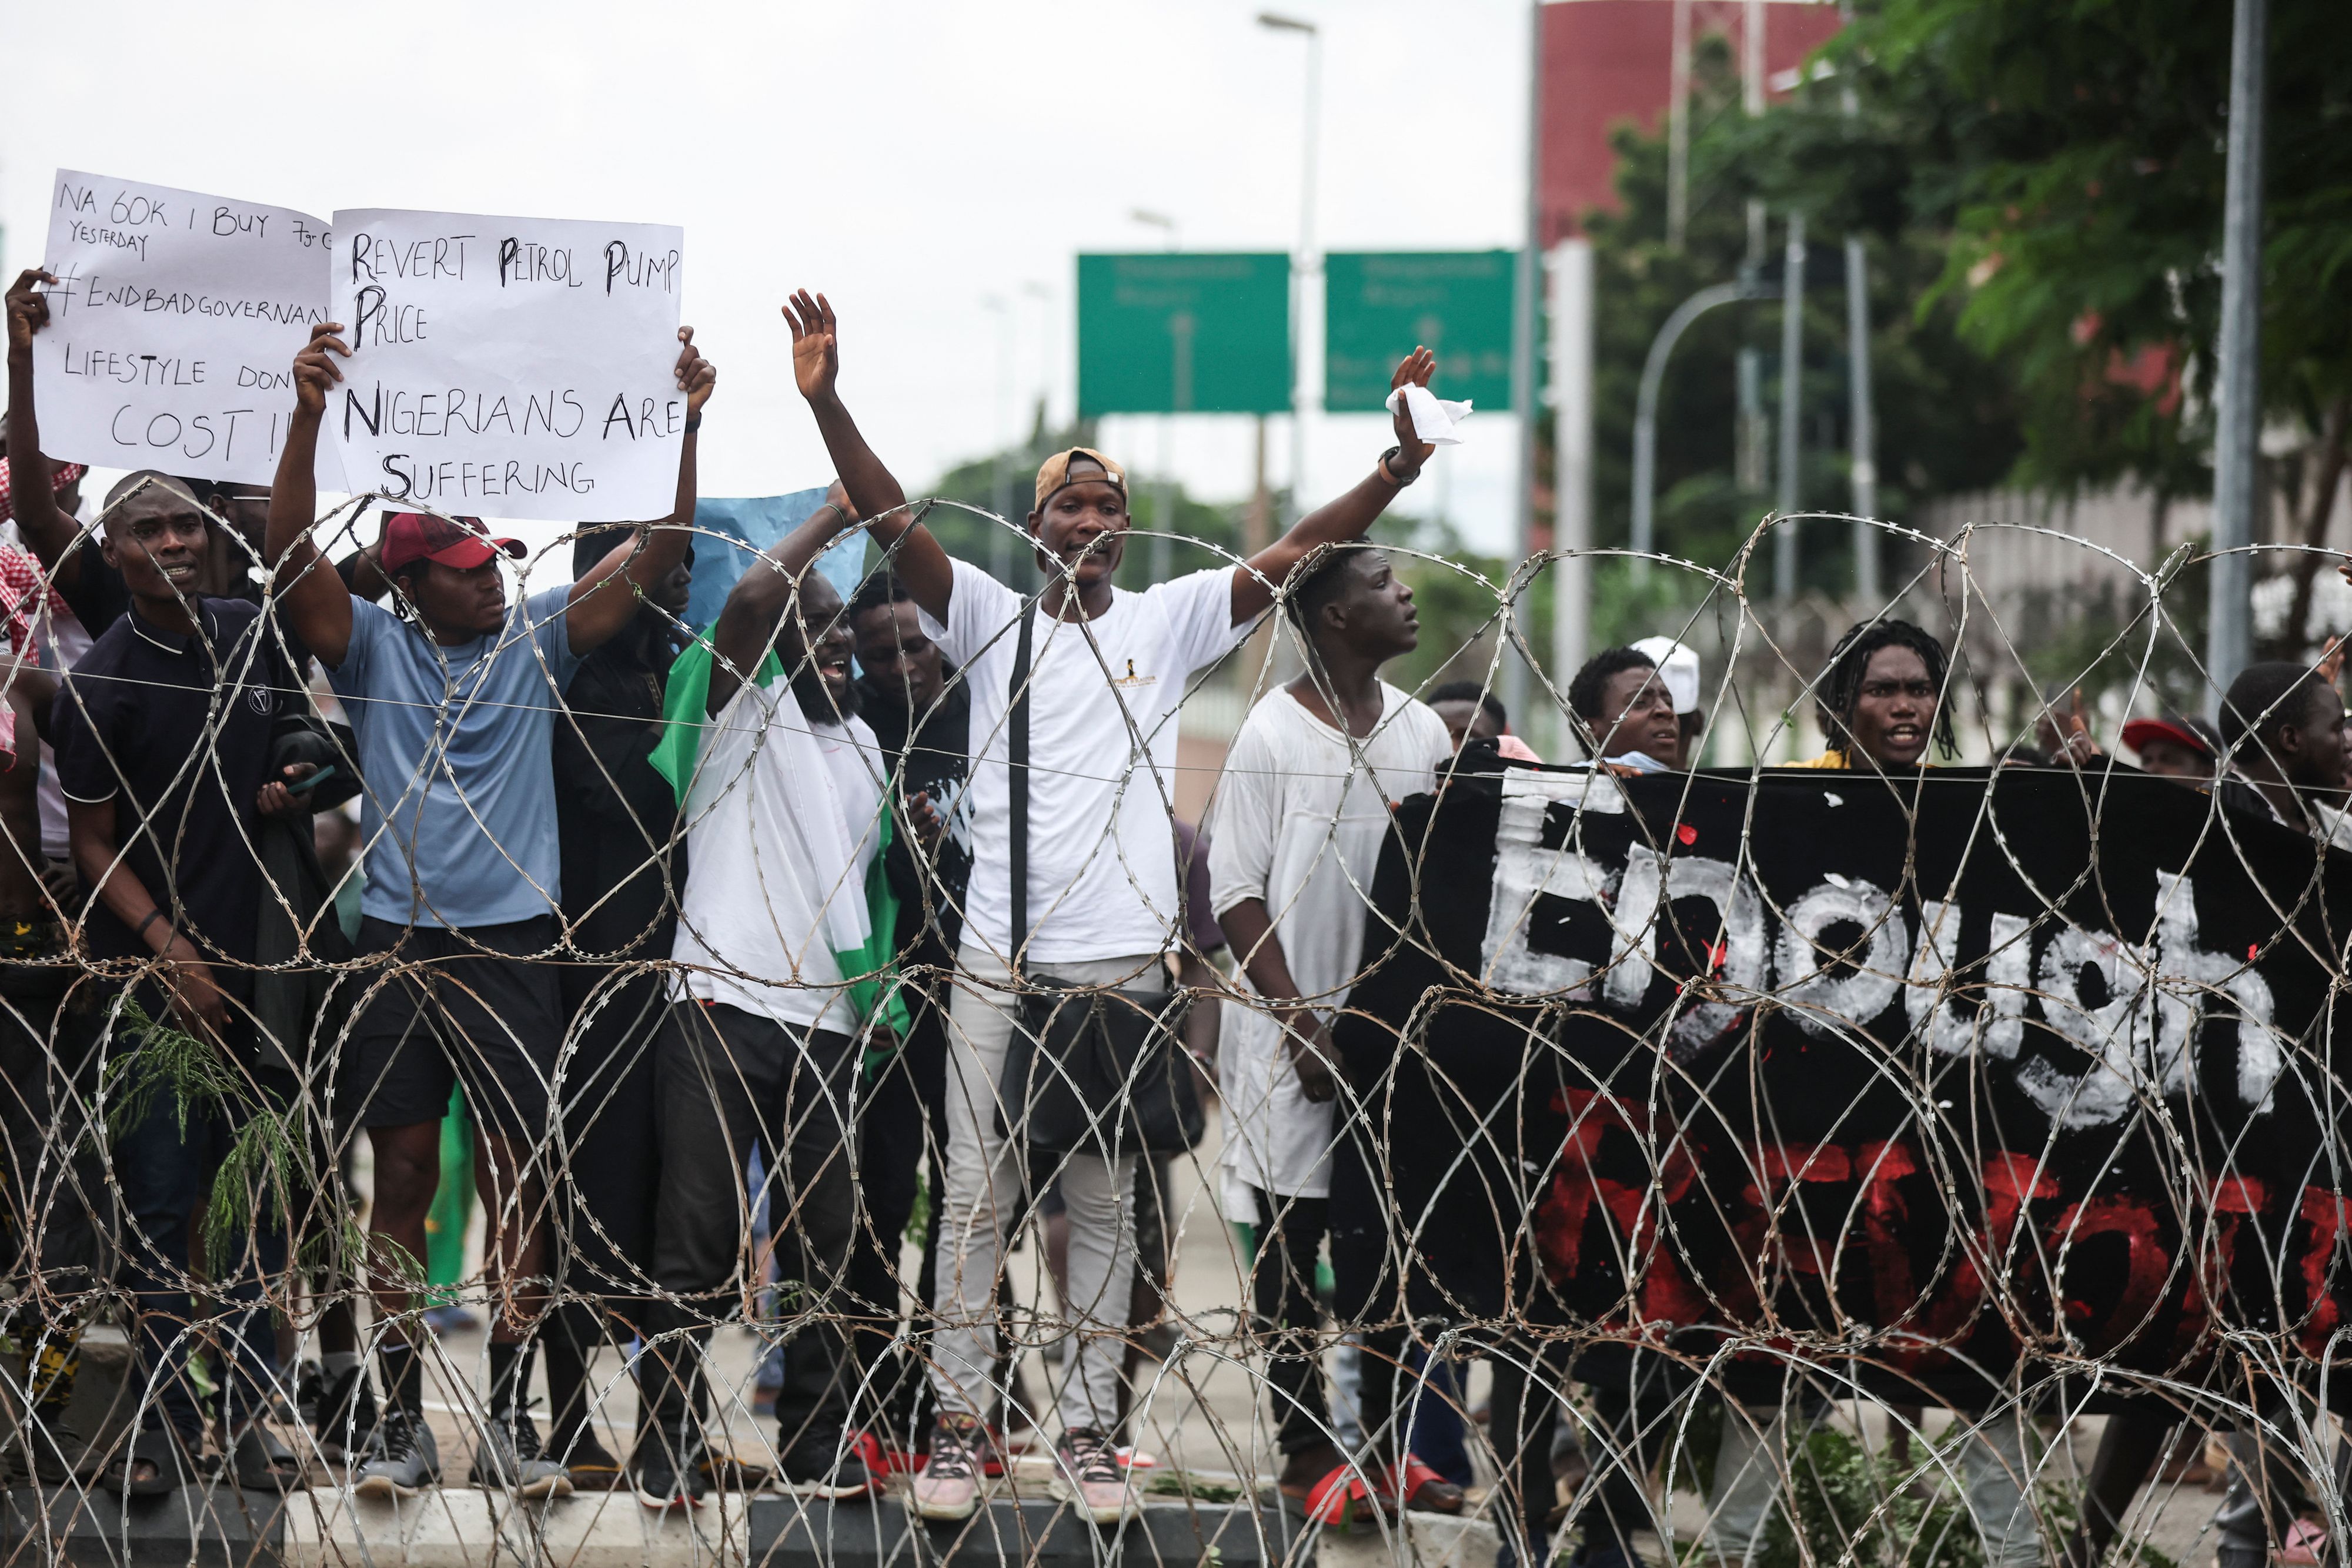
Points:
(1677, 666)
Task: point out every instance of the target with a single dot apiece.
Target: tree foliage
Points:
(2073, 153)
(1946, 410)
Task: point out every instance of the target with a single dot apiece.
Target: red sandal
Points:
(1351, 1493)
(1421, 1489)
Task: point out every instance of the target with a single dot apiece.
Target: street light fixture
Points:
(1303, 262)
(1152, 220)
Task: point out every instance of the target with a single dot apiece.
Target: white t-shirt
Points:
(1102, 697)
(751, 921)
(1302, 811)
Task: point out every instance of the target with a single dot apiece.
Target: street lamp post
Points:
(1303, 263)
(1163, 497)
(1645, 411)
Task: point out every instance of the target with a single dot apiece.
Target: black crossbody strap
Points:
(1016, 755)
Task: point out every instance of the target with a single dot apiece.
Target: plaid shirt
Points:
(60, 476)
(23, 585)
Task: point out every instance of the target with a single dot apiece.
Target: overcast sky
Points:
(910, 160)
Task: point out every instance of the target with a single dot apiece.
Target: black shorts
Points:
(460, 1006)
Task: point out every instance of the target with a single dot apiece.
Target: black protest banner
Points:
(1939, 1072)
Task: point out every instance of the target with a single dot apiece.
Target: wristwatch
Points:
(1389, 468)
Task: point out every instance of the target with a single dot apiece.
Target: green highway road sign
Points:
(1377, 307)
(1177, 332)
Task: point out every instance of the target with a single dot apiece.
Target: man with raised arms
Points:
(784, 932)
(1107, 673)
(453, 700)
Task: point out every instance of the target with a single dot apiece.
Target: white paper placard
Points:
(509, 367)
(173, 326)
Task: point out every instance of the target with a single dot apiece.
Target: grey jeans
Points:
(986, 1175)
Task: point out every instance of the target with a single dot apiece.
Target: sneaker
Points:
(590, 1465)
(668, 1466)
(1089, 1476)
(402, 1460)
(342, 1413)
(827, 1471)
(732, 1472)
(948, 1487)
(508, 1458)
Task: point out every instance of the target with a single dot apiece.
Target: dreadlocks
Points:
(1839, 691)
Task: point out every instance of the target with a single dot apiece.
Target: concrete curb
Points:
(458, 1527)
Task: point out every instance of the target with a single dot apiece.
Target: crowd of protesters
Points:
(649, 905)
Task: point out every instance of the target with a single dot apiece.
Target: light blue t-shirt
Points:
(454, 744)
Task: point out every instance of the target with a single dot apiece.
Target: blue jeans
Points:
(164, 1177)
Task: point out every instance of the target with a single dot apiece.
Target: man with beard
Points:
(785, 931)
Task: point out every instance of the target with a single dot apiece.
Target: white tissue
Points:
(1434, 419)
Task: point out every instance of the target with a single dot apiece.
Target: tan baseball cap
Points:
(1054, 474)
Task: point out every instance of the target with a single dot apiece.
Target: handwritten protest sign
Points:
(516, 367)
(172, 326)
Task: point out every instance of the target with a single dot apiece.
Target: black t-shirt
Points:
(616, 817)
(175, 731)
(935, 760)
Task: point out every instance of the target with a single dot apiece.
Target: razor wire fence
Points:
(1853, 1165)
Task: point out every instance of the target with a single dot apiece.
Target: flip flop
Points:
(158, 1447)
(1424, 1489)
(259, 1459)
(1343, 1496)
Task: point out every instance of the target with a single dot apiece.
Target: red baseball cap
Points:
(460, 542)
(2195, 734)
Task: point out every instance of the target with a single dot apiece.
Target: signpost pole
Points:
(1523, 364)
(1572, 379)
(2237, 454)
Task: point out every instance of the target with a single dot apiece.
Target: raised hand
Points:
(28, 309)
(697, 377)
(2331, 659)
(1416, 368)
(816, 350)
(315, 371)
(2067, 737)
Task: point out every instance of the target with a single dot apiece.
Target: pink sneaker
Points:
(1087, 1475)
(948, 1486)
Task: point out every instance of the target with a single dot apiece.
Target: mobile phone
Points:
(312, 782)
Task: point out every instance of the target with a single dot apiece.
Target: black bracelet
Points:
(1388, 470)
(152, 915)
(693, 423)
